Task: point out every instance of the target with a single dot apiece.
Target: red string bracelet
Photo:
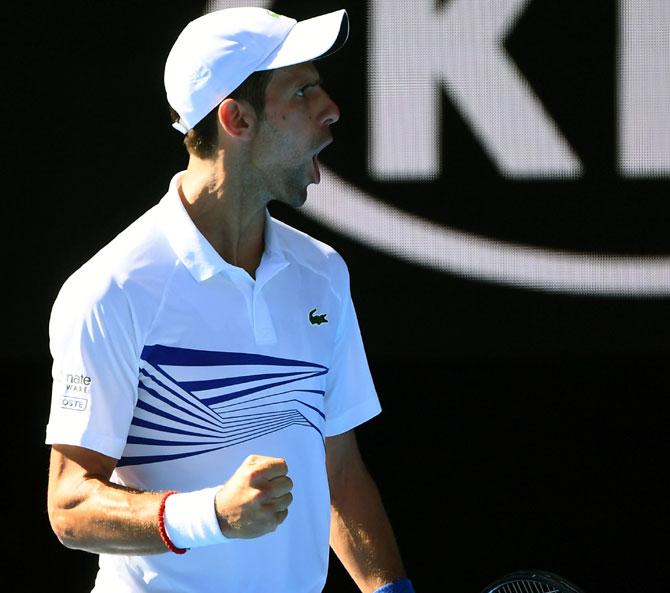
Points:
(161, 526)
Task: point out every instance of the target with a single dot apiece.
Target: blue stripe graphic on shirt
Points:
(171, 356)
(192, 402)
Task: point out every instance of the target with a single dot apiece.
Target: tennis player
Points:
(208, 368)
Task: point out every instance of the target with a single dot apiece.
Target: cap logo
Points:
(200, 77)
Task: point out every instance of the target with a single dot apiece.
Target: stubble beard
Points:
(293, 188)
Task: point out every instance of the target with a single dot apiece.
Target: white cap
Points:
(216, 52)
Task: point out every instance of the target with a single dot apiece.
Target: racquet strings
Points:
(532, 582)
(526, 586)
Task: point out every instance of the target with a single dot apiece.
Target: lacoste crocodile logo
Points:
(317, 319)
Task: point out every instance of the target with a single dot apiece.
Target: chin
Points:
(299, 203)
(296, 199)
(292, 194)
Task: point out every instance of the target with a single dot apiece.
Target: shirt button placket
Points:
(264, 330)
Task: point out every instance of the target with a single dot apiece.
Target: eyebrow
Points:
(318, 81)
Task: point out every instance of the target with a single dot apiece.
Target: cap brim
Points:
(311, 39)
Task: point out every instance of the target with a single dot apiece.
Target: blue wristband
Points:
(399, 586)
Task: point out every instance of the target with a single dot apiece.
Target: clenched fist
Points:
(255, 500)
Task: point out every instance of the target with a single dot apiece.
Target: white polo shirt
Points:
(181, 365)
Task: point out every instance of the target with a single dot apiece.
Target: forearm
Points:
(107, 518)
(361, 533)
(88, 512)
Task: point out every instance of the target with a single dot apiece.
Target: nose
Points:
(330, 112)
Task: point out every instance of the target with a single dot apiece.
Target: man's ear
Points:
(237, 118)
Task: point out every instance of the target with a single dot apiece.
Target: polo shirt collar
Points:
(198, 255)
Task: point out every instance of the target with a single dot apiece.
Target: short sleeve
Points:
(95, 367)
(351, 397)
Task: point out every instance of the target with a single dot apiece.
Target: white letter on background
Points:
(413, 49)
(644, 87)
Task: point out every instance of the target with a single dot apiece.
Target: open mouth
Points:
(315, 160)
(317, 170)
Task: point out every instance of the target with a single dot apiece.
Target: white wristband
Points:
(190, 519)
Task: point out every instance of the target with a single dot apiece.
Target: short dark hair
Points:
(201, 140)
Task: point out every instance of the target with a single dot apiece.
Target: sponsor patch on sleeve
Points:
(76, 389)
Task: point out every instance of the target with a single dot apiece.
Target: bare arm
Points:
(361, 533)
(88, 512)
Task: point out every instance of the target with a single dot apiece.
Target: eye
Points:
(301, 92)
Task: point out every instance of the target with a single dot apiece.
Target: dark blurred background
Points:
(523, 426)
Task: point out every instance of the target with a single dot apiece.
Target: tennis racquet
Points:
(532, 581)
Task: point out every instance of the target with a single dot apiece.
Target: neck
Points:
(230, 218)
